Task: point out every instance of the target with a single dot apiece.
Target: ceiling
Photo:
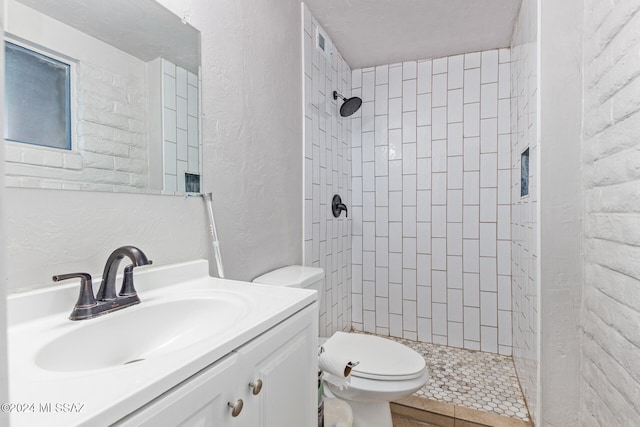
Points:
(376, 32)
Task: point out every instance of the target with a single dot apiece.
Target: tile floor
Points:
(485, 382)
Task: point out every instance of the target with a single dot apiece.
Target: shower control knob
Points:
(257, 387)
(236, 407)
(337, 206)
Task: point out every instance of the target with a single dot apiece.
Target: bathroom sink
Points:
(145, 331)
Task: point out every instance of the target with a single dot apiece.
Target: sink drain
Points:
(132, 361)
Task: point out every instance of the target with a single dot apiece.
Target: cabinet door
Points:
(200, 401)
(285, 360)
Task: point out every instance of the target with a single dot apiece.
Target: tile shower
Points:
(431, 171)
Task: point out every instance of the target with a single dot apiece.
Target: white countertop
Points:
(103, 396)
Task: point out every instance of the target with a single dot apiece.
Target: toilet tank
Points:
(297, 276)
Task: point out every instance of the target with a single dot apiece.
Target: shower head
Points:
(349, 106)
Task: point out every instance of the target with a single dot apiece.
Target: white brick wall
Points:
(327, 171)
(109, 145)
(431, 201)
(611, 155)
(524, 124)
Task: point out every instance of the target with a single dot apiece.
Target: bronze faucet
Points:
(106, 300)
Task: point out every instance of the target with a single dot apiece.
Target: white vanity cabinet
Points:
(274, 375)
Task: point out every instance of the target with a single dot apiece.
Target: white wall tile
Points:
(489, 339)
(455, 106)
(439, 320)
(472, 85)
(489, 66)
(409, 281)
(454, 272)
(455, 139)
(455, 71)
(471, 154)
(488, 309)
(424, 109)
(472, 323)
(395, 144)
(381, 100)
(439, 221)
(504, 328)
(488, 200)
(455, 173)
(439, 286)
(424, 77)
(409, 94)
(409, 127)
(409, 318)
(488, 247)
(440, 89)
(489, 135)
(488, 276)
(395, 298)
(471, 188)
(395, 82)
(471, 257)
(439, 123)
(472, 60)
(409, 70)
(368, 86)
(489, 100)
(382, 75)
(439, 155)
(440, 65)
(454, 240)
(395, 113)
(471, 289)
(489, 170)
(439, 189)
(472, 119)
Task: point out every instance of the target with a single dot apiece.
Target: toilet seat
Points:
(380, 359)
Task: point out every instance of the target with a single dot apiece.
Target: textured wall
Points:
(108, 107)
(327, 171)
(611, 155)
(55, 232)
(560, 201)
(252, 128)
(431, 195)
(524, 125)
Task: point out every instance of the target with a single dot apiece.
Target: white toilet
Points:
(387, 370)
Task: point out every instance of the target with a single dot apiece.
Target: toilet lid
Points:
(380, 358)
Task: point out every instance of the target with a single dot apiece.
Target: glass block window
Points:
(37, 98)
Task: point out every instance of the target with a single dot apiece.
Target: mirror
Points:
(130, 107)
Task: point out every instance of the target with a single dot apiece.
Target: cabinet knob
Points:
(236, 407)
(257, 387)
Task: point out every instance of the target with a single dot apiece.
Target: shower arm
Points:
(336, 95)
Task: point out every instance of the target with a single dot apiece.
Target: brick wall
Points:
(611, 167)
(108, 107)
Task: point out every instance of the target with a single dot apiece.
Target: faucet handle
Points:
(85, 298)
(127, 289)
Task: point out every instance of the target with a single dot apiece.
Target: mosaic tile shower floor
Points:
(483, 381)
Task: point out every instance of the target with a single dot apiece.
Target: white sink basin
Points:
(117, 363)
(138, 333)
